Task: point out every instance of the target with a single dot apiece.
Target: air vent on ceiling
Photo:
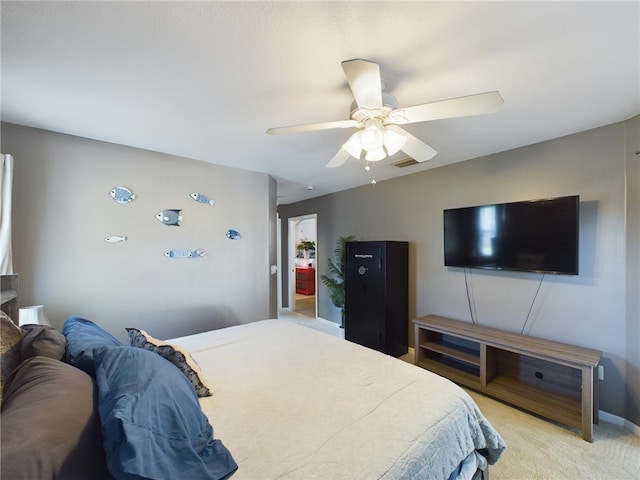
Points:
(405, 162)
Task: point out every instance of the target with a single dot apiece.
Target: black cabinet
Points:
(376, 295)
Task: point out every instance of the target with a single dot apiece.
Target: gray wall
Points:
(596, 309)
(63, 211)
(632, 175)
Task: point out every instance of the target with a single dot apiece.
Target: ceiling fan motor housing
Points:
(389, 103)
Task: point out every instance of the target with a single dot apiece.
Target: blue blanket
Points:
(152, 423)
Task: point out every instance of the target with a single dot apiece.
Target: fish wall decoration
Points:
(116, 238)
(184, 253)
(201, 198)
(233, 234)
(122, 194)
(171, 217)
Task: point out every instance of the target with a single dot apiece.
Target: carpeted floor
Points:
(310, 322)
(538, 449)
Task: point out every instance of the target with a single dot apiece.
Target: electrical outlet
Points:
(600, 372)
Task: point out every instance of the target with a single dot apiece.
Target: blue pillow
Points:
(152, 423)
(83, 336)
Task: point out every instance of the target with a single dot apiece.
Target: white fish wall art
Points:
(122, 194)
(201, 198)
(184, 253)
(233, 234)
(171, 217)
(116, 238)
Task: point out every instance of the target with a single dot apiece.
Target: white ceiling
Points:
(205, 80)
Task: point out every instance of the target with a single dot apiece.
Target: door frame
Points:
(292, 263)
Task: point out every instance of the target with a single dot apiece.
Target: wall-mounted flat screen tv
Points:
(530, 236)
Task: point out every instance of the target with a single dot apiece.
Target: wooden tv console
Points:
(554, 380)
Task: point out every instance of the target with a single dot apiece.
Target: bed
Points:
(350, 412)
(284, 402)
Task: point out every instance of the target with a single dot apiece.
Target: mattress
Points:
(290, 402)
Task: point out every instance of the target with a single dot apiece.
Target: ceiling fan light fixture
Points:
(376, 155)
(394, 139)
(354, 145)
(372, 137)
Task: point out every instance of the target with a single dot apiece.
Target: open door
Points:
(303, 275)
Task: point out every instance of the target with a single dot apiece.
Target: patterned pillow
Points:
(180, 358)
(11, 338)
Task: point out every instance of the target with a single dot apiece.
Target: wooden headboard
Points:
(9, 295)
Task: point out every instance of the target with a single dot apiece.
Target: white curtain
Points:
(6, 181)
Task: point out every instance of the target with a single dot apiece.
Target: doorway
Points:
(302, 260)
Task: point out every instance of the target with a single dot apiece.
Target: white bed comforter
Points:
(293, 403)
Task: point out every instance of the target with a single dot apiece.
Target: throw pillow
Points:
(42, 340)
(50, 424)
(10, 338)
(176, 355)
(83, 336)
(151, 420)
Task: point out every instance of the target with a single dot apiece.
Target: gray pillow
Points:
(43, 340)
(50, 424)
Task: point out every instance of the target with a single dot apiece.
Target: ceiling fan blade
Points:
(339, 158)
(417, 149)
(364, 80)
(313, 126)
(478, 104)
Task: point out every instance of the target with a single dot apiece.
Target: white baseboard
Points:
(328, 322)
(619, 421)
(335, 327)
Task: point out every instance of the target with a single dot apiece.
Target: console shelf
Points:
(459, 353)
(551, 379)
(451, 371)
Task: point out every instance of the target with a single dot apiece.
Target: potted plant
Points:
(335, 283)
(305, 247)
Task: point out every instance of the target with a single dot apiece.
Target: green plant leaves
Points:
(335, 283)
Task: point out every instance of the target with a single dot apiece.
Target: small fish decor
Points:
(170, 217)
(233, 234)
(116, 238)
(122, 194)
(184, 253)
(201, 198)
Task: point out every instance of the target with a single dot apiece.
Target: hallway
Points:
(306, 305)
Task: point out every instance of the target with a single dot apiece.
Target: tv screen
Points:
(530, 236)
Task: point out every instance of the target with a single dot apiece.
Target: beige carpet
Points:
(539, 449)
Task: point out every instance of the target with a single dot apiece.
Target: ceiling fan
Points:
(376, 116)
